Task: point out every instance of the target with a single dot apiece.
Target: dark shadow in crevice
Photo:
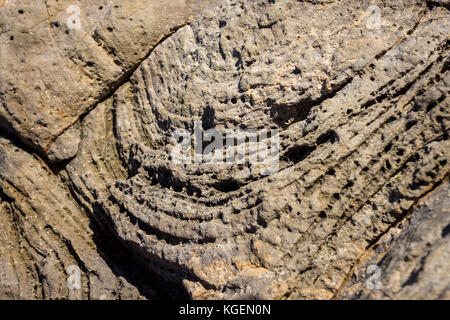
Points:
(285, 115)
(124, 264)
(298, 153)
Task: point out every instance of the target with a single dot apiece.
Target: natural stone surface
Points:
(413, 258)
(363, 121)
(44, 232)
(53, 73)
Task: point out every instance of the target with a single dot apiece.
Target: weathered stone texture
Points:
(53, 73)
(363, 116)
(412, 257)
(44, 232)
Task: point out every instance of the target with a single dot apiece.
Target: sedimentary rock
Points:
(363, 126)
(412, 257)
(60, 58)
(44, 232)
(361, 112)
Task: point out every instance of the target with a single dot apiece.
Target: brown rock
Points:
(44, 232)
(361, 106)
(411, 259)
(58, 60)
(363, 136)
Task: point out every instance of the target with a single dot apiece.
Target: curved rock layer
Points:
(59, 58)
(412, 257)
(44, 232)
(363, 122)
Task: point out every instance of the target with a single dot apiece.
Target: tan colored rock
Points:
(363, 121)
(411, 260)
(362, 112)
(58, 60)
(43, 232)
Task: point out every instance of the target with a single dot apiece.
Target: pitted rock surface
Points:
(363, 122)
(362, 139)
(412, 257)
(53, 72)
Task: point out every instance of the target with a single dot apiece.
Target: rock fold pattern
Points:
(363, 121)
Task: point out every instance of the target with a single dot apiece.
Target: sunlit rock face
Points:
(354, 99)
(60, 59)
